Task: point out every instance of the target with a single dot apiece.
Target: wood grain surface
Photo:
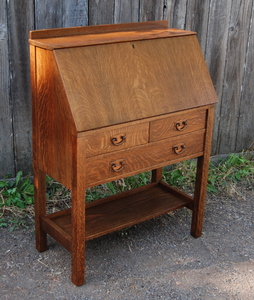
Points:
(177, 124)
(116, 212)
(19, 83)
(55, 125)
(97, 38)
(107, 111)
(141, 158)
(245, 138)
(234, 73)
(7, 157)
(120, 71)
(100, 141)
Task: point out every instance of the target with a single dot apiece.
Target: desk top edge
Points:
(102, 34)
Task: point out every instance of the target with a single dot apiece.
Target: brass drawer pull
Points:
(117, 165)
(118, 140)
(178, 149)
(181, 125)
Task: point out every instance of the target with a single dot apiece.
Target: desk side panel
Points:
(53, 121)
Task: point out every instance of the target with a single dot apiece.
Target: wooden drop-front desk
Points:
(109, 102)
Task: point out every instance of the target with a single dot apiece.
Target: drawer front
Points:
(122, 163)
(104, 141)
(177, 124)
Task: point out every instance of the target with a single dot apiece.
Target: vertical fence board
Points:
(101, 12)
(175, 12)
(75, 13)
(126, 11)
(234, 70)
(6, 140)
(151, 10)
(245, 130)
(20, 22)
(197, 19)
(48, 14)
(216, 53)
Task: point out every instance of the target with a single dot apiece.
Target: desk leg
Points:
(199, 197)
(40, 208)
(157, 175)
(201, 180)
(78, 235)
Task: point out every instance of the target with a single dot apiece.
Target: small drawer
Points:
(124, 163)
(104, 141)
(177, 124)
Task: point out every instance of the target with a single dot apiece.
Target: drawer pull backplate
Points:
(178, 149)
(117, 165)
(118, 140)
(181, 125)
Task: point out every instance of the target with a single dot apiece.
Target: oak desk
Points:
(109, 102)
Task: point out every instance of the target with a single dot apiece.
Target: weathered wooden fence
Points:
(225, 30)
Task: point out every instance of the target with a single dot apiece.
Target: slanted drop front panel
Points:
(121, 82)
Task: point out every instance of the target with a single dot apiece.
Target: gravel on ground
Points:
(157, 259)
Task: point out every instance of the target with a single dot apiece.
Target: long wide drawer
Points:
(121, 163)
(177, 124)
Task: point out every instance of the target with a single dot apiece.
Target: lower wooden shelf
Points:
(117, 212)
